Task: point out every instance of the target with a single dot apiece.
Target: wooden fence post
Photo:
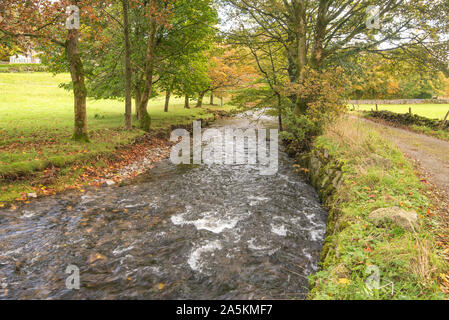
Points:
(443, 123)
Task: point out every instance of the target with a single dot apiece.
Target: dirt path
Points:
(430, 154)
(431, 158)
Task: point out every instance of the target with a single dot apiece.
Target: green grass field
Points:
(36, 123)
(432, 111)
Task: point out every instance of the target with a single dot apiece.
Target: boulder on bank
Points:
(405, 219)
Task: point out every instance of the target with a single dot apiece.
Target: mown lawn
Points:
(432, 111)
(36, 123)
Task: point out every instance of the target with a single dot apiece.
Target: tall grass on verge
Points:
(375, 175)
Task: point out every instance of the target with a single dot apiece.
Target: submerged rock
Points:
(405, 219)
(109, 182)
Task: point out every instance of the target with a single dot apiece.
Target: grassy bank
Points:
(431, 111)
(440, 134)
(36, 123)
(413, 122)
(21, 67)
(375, 175)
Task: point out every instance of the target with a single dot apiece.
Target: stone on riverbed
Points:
(405, 219)
(109, 182)
(32, 195)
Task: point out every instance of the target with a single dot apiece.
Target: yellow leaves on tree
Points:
(229, 69)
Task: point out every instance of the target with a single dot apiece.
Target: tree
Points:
(46, 24)
(188, 76)
(272, 79)
(7, 50)
(182, 30)
(387, 78)
(182, 63)
(228, 69)
(319, 34)
(128, 124)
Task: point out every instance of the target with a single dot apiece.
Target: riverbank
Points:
(37, 155)
(356, 173)
(122, 161)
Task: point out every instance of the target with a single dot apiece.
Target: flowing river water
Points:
(176, 232)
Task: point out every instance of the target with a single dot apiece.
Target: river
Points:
(176, 232)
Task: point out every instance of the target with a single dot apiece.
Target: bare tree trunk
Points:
(199, 103)
(320, 33)
(79, 88)
(137, 98)
(148, 84)
(167, 100)
(279, 112)
(186, 102)
(128, 110)
(221, 101)
(298, 53)
(212, 97)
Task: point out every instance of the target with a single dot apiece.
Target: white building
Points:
(29, 57)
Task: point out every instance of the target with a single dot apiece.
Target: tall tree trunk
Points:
(137, 99)
(186, 102)
(221, 101)
(279, 111)
(79, 88)
(297, 53)
(320, 33)
(199, 103)
(148, 84)
(167, 100)
(128, 110)
(212, 97)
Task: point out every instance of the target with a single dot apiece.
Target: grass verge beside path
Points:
(431, 111)
(415, 123)
(440, 134)
(36, 123)
(376, 175)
